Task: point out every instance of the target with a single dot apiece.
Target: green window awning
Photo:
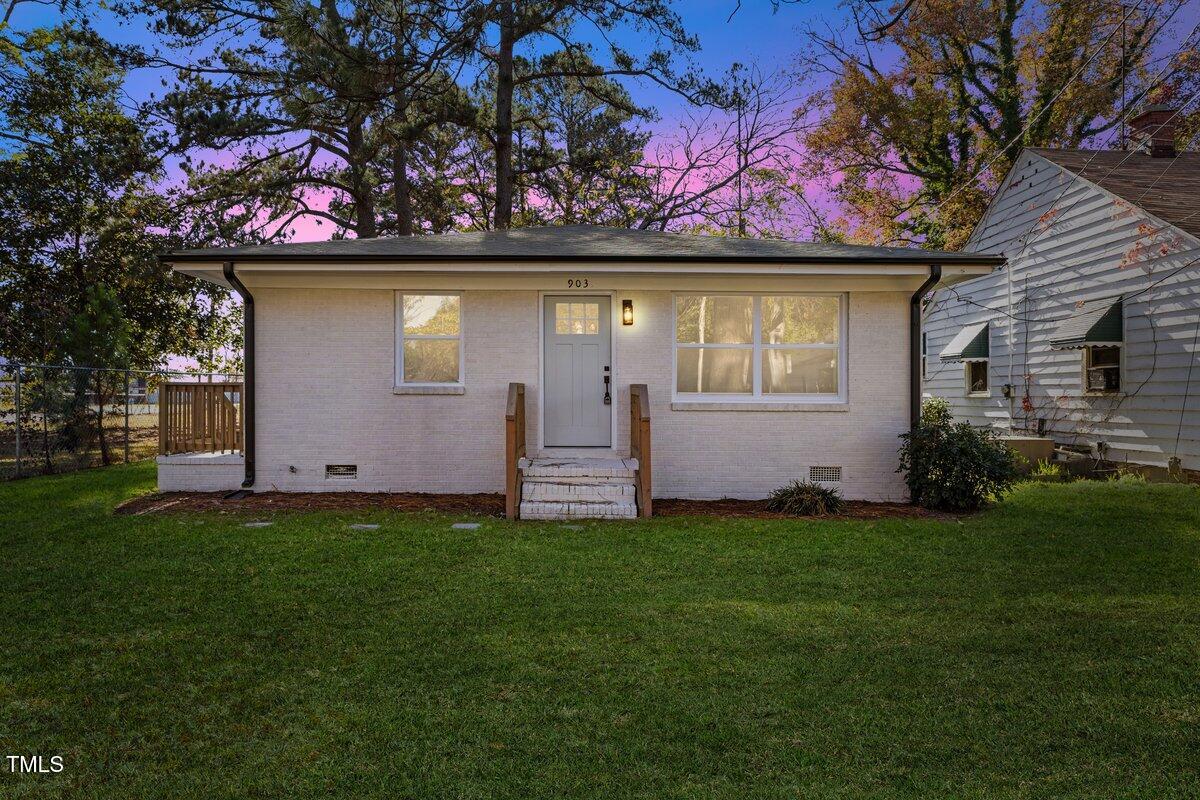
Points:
(972, 343)
(1098, 324)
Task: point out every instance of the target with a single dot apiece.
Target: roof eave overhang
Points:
(393, 261)
(952, 272)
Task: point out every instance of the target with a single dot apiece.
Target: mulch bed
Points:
(487, 505)
(757, 509)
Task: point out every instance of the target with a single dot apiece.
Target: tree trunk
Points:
(1008, 79)
(504, 118)
(364, 200)
(402, 189)
(365, 216)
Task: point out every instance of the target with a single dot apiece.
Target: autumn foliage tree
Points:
(927, 103)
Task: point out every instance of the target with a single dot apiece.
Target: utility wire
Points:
(1030, 236)
(1025, 240)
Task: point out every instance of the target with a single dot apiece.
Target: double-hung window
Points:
(760, 347)
(428, 339)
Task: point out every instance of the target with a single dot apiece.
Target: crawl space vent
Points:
(824, 474)
(341, 472)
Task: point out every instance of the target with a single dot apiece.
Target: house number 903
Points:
(577, 283)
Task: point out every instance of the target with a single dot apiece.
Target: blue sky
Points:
(755, 34)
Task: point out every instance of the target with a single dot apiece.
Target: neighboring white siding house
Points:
(1078, 239)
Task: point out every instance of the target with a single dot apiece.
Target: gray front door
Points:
(577, 358)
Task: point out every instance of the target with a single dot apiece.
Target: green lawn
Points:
(1048, 648)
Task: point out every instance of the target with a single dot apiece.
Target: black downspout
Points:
(248, 378)
(914, 357)
(914, 344)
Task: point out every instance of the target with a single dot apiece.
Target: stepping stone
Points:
(465, 526)
(257, 524)
(362, 526)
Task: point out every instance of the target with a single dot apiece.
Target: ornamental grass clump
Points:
(1048, 472)
(805, 499)
(954, 467)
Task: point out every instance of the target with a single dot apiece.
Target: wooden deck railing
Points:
(200, 418)
(639, 444)
(514, 448)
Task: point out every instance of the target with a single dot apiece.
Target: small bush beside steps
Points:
(805, 499)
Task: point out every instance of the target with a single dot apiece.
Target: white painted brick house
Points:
(391, 360)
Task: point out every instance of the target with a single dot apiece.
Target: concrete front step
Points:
(579, 467)
(544, 489)
(538, 509)
(578, 488)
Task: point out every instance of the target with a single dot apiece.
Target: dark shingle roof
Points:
(1165, 187)
(1100, 322)
(573, 242)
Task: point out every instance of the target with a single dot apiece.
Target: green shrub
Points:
(803, 498)
(950, 466)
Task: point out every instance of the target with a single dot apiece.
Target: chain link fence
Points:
(59, 418)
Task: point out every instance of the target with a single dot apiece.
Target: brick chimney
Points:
(1153, 131)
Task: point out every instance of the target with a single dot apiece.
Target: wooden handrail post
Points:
(639, 445)
(514, 448)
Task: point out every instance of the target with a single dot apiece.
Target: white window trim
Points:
(1085, 361)
(398, 342)
(924, 354)
(757, 397)
(987, 362)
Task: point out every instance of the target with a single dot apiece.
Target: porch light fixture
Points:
(626, 312)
